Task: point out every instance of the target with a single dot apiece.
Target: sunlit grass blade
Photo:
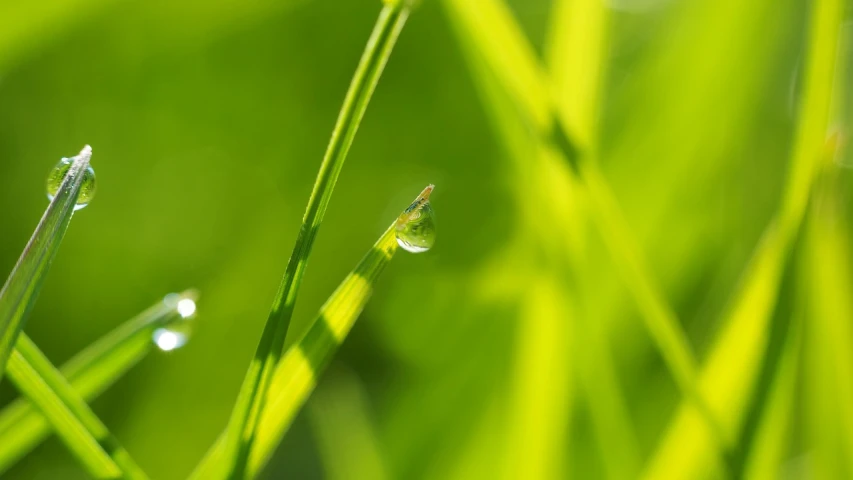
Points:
(729, 375)
(247, 411)
(536, 104)
(21, 289)
(79, 428)
(90, 372)
(489, 29)
(302, 364)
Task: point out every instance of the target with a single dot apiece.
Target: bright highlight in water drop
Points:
(186, 307)
(168, 340)
(57, 175)
(416, 226)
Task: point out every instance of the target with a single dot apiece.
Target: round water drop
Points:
(416, 225)
(168, 340)
(57, 175)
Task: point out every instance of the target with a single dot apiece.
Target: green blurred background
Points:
(208, 121)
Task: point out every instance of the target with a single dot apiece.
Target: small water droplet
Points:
(168, 340)
(176, 332)
(57, 175)
(416, 225)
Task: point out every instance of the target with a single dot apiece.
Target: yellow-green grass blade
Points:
(537, 106)
(74, 422)
(575, 53)
(90, 372)
(341, 420)
(729, 375)
(300, 367)
(243, 423)
(829, 362)
(21, 288)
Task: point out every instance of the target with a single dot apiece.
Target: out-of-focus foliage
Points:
(512, 349)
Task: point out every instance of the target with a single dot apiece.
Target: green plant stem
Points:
(21, 288)
(90, 372)
(75, 423)
(303, 363)
(249, 407)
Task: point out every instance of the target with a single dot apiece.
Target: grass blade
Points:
(247, 411)
(297, 374)
(75, 423)
(524, 79)
(21, 289)
(730, 371)
(23, 426)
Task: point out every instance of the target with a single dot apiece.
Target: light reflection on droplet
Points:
(168, 340)
(186, 307)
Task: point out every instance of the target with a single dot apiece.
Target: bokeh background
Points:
(491, 356)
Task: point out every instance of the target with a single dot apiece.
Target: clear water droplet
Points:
(176, 332)
(416, 225)
(57, 175)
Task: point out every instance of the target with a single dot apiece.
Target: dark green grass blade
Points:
(21, 289)
(243, 423)
(93, 370)
(302, 364)
(75, 423)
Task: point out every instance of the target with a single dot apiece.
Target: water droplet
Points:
(57, 175)
(176, 332)
(416, 225)
(168, 340)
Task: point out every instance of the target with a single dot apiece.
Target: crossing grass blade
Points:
(302, 364)
(22, 287)
(93, 370)
(728, 376)
(490, 29)
(79, 428)
(243, 424)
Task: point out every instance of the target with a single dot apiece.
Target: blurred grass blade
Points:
(21, 289)
(79, 428)
(488, 28)
(729, 374)
(297, 374)
(340, 415)
(247, 411)
(93, 370)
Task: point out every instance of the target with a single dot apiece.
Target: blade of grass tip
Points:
(21, 289)
(90, 372)
(247, 410)
(79, 428)
(729, 373)
(303, 362)
(489, 27)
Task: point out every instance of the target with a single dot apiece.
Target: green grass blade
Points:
(730, 372)
(297, 374)
(524, 80)
(247, 411)
(79, 428)
(23, 426)
(21, 289)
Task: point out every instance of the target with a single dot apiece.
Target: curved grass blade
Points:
(730, 372)
(21, 289)
(247, 411)
(297, 374)
(488, 28)
(75, 423)
(90, 372)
